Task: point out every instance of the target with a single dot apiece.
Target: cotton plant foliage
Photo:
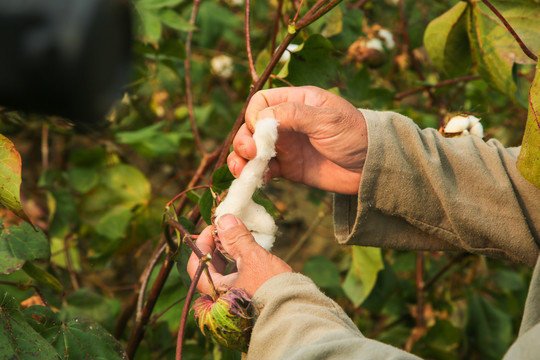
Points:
(239, 200)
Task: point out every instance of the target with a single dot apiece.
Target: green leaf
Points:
(19, 244)
(489, 329)
(89, 304)
(222, 179)
(10, 177)
(157, 4)
(120, 184)
(172, 19)
(42, 276)
(18, 340)
(153, 141)
(151, 25)
(114, 223)
(361, 278)
(83, 179)
(494, 49)
(314, 64)
(74, 338)
(322, 271)
(447, 43)
(259, 198)
(529, 157)
(206, 203)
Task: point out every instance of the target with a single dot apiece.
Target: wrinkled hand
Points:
(255, 265)
(322, 138)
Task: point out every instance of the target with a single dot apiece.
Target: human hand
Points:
(255, 265)
(322, 138)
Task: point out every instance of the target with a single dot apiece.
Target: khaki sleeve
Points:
(297, 321)
(421, 191)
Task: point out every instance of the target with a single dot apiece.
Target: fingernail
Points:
(227, 221)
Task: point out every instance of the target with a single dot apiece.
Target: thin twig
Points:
(254, 75)
(520, 42)
(138, 330)
(444, 269)
(185, 310)
(145, 277)
(156, 318)
(420, 258)
(187, 65)
(45, 146)
(281, 79)
(305, 237)
(186, 191)
(404, 94)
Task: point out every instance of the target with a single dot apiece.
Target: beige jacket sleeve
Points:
(297, 321)
(420, 191)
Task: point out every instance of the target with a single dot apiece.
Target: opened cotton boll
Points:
(222, 66)
(239, 200)
(463, 125)
(286, 56)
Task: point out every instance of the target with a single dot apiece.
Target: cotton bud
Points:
(222, 66)
(227, 319)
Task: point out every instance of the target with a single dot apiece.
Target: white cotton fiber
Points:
(238, 201)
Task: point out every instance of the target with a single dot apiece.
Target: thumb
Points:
(236, 238)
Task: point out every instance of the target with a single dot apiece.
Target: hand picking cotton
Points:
(239, 202)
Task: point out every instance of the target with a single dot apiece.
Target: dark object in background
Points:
(64, 57)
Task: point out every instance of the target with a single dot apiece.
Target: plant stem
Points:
(254, 75)
(187, 65)
(520, 42)
(145, 277)
(69, 265)
(185, 310)
(449, 264)
(404, 94)
(305, 236)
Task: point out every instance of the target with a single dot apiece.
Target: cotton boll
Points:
(375, 44)
(287, 53)
(473, 120)
(477, 130)
(222, 66)
(239, 202)
(457, 124)
(388, 38)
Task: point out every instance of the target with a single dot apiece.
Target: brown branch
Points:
(185, 310)
(254, 75)
(45, 146)
(276, 26)
(449, 264)
(138, 330)
(420, 296)
(404, 94)
(358, 5)
(281, 79)
(305, 236)
(145, 278)
(187, 65)
(520, 42)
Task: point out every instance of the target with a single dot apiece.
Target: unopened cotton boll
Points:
(239, 202)
(222, 66)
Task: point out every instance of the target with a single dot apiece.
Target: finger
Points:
(308, 95)
(243, 143)
(237, 239)
(236, 164)
(205, 243)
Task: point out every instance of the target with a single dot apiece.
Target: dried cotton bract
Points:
(239, 202)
